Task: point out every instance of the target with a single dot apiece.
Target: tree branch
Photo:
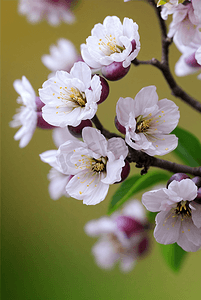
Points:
(177, 91)
(163, 65)
(104, 131)
(144, 160)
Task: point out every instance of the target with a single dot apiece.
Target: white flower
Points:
(111, 42)
(70, 97)
(190, 60)
(26, 115)
(186, 20)
(122, 237)
(95, 163)
(62, 57)
(53, 11)
(148, 122)
(179, 219)
(58, 180)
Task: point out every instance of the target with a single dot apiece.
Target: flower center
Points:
(73, 95)
(110, 45)
(183, 209)
(116, 243)
(78, 97)
(99, 165)
(142, 125)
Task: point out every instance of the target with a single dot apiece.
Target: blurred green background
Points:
(45, 252)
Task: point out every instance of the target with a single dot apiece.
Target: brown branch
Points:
(177, 91)
(163, 65)
(144, 160)
(104, 131)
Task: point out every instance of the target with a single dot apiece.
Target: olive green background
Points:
(45, 253)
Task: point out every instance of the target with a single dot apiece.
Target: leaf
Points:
(161, 2)
(134, 185)
(189, 147)
(173, 255)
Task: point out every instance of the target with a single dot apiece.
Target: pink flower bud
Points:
(129, 225)
(198, 198)
(133, 43)
(39, 104)
(125, 172)
(191, 61)
(143, 246)
(119, 127)
(177, 177)
(197, 181)
(105, 90)
(77, 131)
(41, 123)
(114, 71)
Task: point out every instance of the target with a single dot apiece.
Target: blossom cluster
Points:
(185, 29)
(86, 163)
(123, 237)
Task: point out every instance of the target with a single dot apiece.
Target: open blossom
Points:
(186, 20)
(94, 164)
(111, 42)
(61, 57)
(54, 11)
(148, 122)
(179, 217)
(70, 97)
(190, 60)
(122, 237)
(26, 115)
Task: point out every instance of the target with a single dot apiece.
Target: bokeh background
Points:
(45, 253)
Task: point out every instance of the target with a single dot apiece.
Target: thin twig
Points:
(104, 131)
(163, 65)
(177, 91)
(144, 160)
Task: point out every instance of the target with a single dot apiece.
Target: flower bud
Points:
(129, 225)
(197, 181)
(143, 246)
(177, 177)
(133, 43)
(119, 127)
(39, 104)
(114, 71)
(41, 123)
(125, 172)
(198, 198)
(77, 131)
(105, 90)
(191, 61)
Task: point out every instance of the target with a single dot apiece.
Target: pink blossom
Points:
(186, 20)
(122, 237)
(54, 11)
(148, 121)
(179, 217)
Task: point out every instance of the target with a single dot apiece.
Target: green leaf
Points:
(134, 185)
(173, 255)
(189, 147)
(161, 2)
